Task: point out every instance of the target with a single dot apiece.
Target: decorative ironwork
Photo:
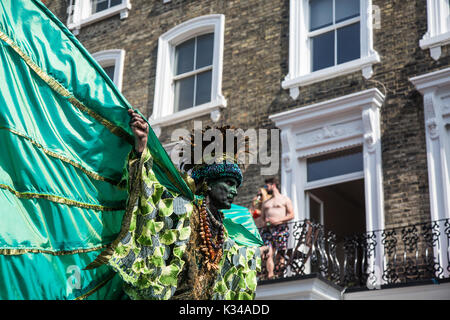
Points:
(335, 268)
(389, 241)
(431, 235)
(395, 255)
(447, 233)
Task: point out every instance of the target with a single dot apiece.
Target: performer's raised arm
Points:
(140, 131)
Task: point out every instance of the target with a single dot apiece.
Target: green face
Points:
(222, 192)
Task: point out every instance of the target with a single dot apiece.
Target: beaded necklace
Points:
(212, 251)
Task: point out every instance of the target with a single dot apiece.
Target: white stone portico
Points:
(329, 126)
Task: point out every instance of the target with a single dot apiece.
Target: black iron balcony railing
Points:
(396, 255)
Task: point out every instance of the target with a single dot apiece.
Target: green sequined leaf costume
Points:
(157, 252)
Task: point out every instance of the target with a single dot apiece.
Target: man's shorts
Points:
(276, 236)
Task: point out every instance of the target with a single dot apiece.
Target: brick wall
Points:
(255, 63)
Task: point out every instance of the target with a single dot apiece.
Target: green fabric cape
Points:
(64, 139)
(240, 224)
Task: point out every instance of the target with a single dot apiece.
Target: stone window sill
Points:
(364, 64)
(213, 108)
(435, 43)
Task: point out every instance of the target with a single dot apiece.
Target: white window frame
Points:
(438, 33)
(163, 106)
(333, 180)
(113, 57)
(299, 49)
(80, 13)
(330, 126)
(310, 196)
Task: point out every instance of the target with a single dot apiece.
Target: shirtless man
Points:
(255, 208)
(275, 212)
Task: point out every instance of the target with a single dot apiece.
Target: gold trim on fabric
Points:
(99, 286)
(16, 252)
(55, 85)
(94, 175)
(58, 199)
(60, 89)
(117, 131)
(169, 175)
(135, 169)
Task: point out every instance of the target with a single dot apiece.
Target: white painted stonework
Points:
(305, 289)
(435, 88)
(316, 289)
(438, 33)
(424, 292)
(330, 126)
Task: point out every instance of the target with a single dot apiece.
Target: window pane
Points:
(205, 45)
(110, 72)
(99, 5)
(115, 2)
(203, 88)
(320, 13)
(184, 56)
(348, 43)
(322, 51)
(334, 164)
(346, 9)
(184, 93)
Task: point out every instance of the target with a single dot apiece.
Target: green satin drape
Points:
(64, 140)
(241, 227)
(56, 277)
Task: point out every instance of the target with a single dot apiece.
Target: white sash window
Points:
(328, 38)
(85, 12)
(112, 61)
(189, 72)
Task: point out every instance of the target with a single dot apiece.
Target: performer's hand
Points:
(140, 130)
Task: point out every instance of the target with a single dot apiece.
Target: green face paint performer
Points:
(171, 248)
